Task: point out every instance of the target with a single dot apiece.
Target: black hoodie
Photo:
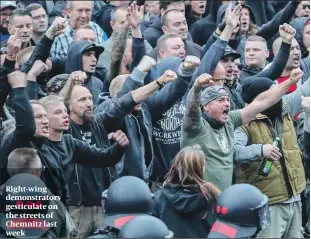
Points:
(74, 63)
(184, 210)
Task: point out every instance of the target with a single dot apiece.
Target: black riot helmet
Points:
(126, 198)
(242, 210)
(145, 227)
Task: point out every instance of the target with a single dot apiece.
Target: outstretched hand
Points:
(233, 15)
(135, 15)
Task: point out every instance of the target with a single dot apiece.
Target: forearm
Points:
(307, 122)
(192, 118)
(136, 32)
(226, 33)
(117, 53)
(32, 90)
(142, 93)
(138, 51)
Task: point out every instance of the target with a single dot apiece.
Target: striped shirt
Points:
(61, 43)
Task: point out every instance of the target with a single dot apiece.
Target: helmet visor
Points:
(264, 214)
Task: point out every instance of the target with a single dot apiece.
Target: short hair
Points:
(164, 19)
(69, 3)
(22, 160)
(165, 3)
(162, 40)
(45, 101)
(85, 26)
(19, 12)
(35, 102)
(256, 38)
(116, 84)
(34, 6)
(113, 14)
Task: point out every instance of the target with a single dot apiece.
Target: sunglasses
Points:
(304, 6)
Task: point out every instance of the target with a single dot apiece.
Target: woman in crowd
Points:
(185, 201)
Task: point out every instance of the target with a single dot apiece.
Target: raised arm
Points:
(192, 121)
(217, 49)
(269, 29)
(269, 98)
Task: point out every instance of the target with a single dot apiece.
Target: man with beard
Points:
(73, 151)
(6, 9)
(254, 144)
(209, 123)
(228, 61)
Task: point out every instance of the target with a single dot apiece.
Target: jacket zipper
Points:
(76, 167)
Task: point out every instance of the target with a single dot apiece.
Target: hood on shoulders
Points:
(75, 52)
(186, 200)
(168, 63)
(155, 22)
(104, 102)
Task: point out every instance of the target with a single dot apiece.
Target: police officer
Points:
(126, 198)
(145, 227)
(242, 211)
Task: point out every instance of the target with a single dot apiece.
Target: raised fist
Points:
(191, 62)
(204, 80)
(295, 75)
(78, 77)
(168, 76)
(287, 33)
(146, 64)
(58, 27)
(38, 68)
(17, 79)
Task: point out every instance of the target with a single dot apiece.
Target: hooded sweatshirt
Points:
(299, 24)
(184, 210)
(74, 63)
(154, 31)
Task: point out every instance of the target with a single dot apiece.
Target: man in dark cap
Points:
(257, 142)
(209, 123)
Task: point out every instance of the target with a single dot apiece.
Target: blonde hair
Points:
(45, 101)
(188, 170)
(116, 84)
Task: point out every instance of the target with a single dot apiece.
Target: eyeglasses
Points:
(40, 169)
(304, 6)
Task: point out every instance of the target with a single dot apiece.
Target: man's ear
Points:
(10, 30)
(162, 12)
(164, 29)
(161, 53)
(112, 24)
(267, 53)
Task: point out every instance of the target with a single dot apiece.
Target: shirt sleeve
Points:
(236, 118)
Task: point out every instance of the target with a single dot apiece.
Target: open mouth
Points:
(66, 123)
(225, 112)
(45, 129)
(243, 24)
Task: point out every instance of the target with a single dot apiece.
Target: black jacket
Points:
(204, 28)
(235, 93)
(103, 18)
(184, 210)
(72, 152)
(154, 31)
(191, 48)
(23, 136)
(102, 124)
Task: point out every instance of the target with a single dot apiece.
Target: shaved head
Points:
(219, 74)
(276, 45)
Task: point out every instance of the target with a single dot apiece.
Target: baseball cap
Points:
(57, 83)
(230, 52)
(93, 47)
(212, 93)
(15, 195)
(5, 4)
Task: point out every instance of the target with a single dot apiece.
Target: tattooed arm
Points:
(192, 119)
(117, 53)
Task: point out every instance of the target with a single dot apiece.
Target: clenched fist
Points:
(204, 80)
(191, 62)
(168, 76)
(120, 138)
(17, 79)
(58, 27)
(146, 64)
(287, 33)
(295, 75)
(77, 77)
(38, 68)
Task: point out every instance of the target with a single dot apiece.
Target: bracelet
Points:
(159, 84)
(10, 55)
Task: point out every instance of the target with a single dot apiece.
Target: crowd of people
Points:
(157, 119)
